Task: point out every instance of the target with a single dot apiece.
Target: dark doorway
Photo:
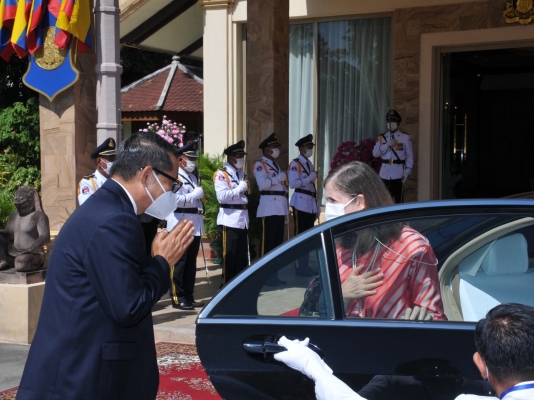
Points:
(487, 123)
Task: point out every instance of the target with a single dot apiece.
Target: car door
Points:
(375, 352)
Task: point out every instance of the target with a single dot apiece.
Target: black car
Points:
(484, 254)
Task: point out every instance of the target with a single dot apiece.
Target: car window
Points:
(294, 295)
(456, 267)
(386, 270)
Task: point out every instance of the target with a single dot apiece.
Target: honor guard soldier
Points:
(231, 190)
(302, 178)
(395, 149)
(273, 208)
(104, 156)
(189, 207)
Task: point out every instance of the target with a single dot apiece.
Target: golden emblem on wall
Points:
(49, 56)
(521, 11)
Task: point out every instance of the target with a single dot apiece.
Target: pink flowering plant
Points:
(171, 131)
(350, 151)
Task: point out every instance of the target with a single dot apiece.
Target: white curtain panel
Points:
(354, 82)
(353, 64)
(301, 85)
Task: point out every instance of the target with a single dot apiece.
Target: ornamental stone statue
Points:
(27, 232)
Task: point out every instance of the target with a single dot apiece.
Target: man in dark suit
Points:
(95, 337)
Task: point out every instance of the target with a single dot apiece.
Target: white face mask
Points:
(190, 165)
(332, 210)
(239, 163)
(163, 205)
(275, 153)
(309, 153)
(109, 164)
(392, 126)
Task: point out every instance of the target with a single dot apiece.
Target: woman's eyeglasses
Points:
(176, 184)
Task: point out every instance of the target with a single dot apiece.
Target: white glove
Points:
(281, 177)
(197, 193)
(242, 187)
(301, 358)
(312, 176)
(405, 176)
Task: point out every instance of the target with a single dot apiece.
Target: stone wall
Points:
(68, 136)
(409, 25)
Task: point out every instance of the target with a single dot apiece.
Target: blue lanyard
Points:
(515, 388)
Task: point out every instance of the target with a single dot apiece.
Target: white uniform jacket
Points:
(224, 180)
(266, 173)
(402, 150)
(88, 185)
(521, 391)
(299, 171)
(185, 200)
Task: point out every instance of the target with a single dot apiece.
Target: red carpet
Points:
(181, 376)
(8, 394)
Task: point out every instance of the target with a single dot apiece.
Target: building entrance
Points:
(487, 123)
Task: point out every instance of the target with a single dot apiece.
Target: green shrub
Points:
(207, 165)
(20, 147)
(6, 207)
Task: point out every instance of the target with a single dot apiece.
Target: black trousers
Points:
(235, 251)
(303, 221)
(184, 274)
(395, 188)
(150, 229)
(272, 232)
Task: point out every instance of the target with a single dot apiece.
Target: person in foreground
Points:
(386, 272)
(504, 341)
(95, 335)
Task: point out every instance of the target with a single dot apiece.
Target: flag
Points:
(54, 6)
(74, 18)
(18, 36)
(8, 10)
(36, 24)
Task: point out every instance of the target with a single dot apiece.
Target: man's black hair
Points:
(140, 150)
(189, 136)
(505, 340)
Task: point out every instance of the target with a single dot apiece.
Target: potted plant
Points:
(207, 165)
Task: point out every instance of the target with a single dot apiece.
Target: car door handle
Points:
(267, 347)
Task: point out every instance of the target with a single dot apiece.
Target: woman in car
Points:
(386, 272)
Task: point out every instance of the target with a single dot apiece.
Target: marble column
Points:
(68, 136)
(108, 70)
(218, 69)
(267, 79)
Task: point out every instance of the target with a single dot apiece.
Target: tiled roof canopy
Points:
(173, 88)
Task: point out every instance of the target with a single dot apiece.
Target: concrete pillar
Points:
(267, 75)
(68, 136)
(108, 70)
(218, 121)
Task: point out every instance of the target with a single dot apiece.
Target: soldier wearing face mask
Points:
(189, 207)
(273, 208)
(104, 156)
(302, 177)
(395, 149)
(232, 221)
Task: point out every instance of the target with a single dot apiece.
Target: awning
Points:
(167, 26)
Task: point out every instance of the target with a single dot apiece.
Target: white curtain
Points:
(301, 85)
(354, 83)
(353, 69)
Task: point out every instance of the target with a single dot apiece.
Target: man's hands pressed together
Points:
(172, 245)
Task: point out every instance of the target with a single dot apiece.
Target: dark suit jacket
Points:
(95, 337)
